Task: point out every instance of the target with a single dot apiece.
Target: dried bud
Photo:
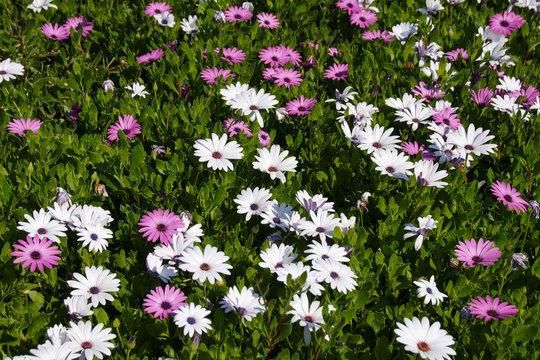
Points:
(409, 66)
(131, 342)
(107, 85)
(517, 260)
(453, 263)
(535, 207)
(466, 314)
(219, 17)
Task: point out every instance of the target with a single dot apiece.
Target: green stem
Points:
(526, 232)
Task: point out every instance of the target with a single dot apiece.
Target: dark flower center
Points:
(165, 305)
(301, 108)
(278, 265)
(157, 11)
(164, 22)
(53, 36)
(429, 291)
(350, 5)
(492, 313)
(390, 169)
(216, 155)
(94, 290)
(205, 267)
(3, 72)
(508, 198)
(415, 120)
(469, 147)
(476, 259)
(334, 275)
(238, 16)
(423, 346)
(274, 58)
(253, 107)
(86, 345)
(267, 22)
(377, 145)
(240, 310)
(41, 231)
(504, 23)
(161, 227)
(362, 18)
(253, 206)
(264, 137)
(320, 229)
(272, 169)
(191, 320)
(286, 79)
(324, 256)
(446, 121)
(93, 237)
(276, 220)
(35, 255)
(308, 318)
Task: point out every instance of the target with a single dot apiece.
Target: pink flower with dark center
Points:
(235, 13)
(505, 23)
(491, 309)
(269, 21)
(446, 117)
(156, 8)
(474, 253)
(239, 127)
(154, 55)
(337, 72)
(300, 106)
(411, 148)
(264, 138)
(525, 97)
(273, 56)
(454, 55)
(233, 56)
(20, 126)
(76, 21)
(287, 77)
(36, 252)
(211, 75)
(509, 196)
(160, 225)
(363, 18)
(334, 51)
(269, 73)
(228, 123)
(55, 32)
(373, 35)
(291, 55)
(351, 6)
(127, 124)
(427, 93)
(164, 302)
(482, 97)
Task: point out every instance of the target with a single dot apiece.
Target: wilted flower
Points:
(107, 85)
(535, 207)
(517, 260)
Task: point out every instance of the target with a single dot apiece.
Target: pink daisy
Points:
(269, 21)
(161, 225)
(446, 117)
(384, 36)
(154, 55)
(235, 13)
(76, 21)
(211, 75)
(273, 56)
(427, 93)
(300, 106)
(239, 127)
(351, 6)
(156, 8)
(491, 309)
(162, 302)
(228, 123)
(20, 126)
(337, 72)
(455, 54)
(509, 196)
(411, 148)
(482, 97)
(269, 73)
(363, 18)
(525, 97)
(233, 56)
(291, 55)
(55, 32)
(287, 77)
(127, 124)
(505, 23)
(36, 252)
(473, 253)
(264, 138)
(334, 51)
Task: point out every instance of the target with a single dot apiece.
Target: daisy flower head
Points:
(78, 307)
(193, 318)
(313, 203)
(430, 341)
(205, 265)
(36, 252)
(342, 99)
(173, 251)
(55, 32)
(239, 127)
(296, 270)
(38, 5)
(165, 19)
(233, 55)
(235, 13)
(137, 89)
(308, 315)
(427, 174)
(51, 350)
(334, 51)
(337, 72)
(152, 56)
(189, 25)
(95, 237)
(217, 152)
(245, 302)
(393, 163)
(351, 6)
(428, 290)
(338, 275)
(491, 309)
(276, 256)
(505, 23)
(155, 8)
(414, 115)
(322, 251)
(425, 225)
(363, 18)
(377, 138)
(269, 21)
(277, 214)
(251, 102)
(127, 124)
(446, 117)
(253, 202)
(291, 55)
(158, 269)
(454, 55)
(43, 225)
(472, 141)
(509, 196)
(90, 341)
(95, 285)
(264, 138)
(411, 148)
(300, 106)
(404, 31)
(231, 91)
(477, 253)
(373, 35)
(21, 126)
(428, 93)
(275, 162)
(9, 69)
(163, 302)
(160, 225)
(322, 224)
(211, 75)
(526, 97)
(287, 77)
(273, 56)
(482, 97)
(74, 22)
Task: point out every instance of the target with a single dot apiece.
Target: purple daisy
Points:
(211, 75)
(163, 302)
(351, 6)
(454, 55)
(154, 55)
(482, 97)
(300, 106)
(264, 138)
(337, 72)
(76, 21)
(274, 56)
(363, 18)
(505, 23)
(427, 93)
(291, 55)
(20, 126)
(509, 196)
(384, 36)
(156, 8)
(127, 124)
(446, 117)
(55, 32)
(525, 97)
(287, 77)
(491, 309)
(161, 225)
(233, 56)
(473, 253)
(411, 148)
(239, 127)
(36, 252)
(269, 21)
(235, 13)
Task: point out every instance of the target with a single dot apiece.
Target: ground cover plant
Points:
(269, 180)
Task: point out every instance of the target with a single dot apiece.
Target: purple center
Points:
(253, 206)
(272, 169)
(492, 313)
(334, 275)
(165, 305)
(504, 23)
(3, 72)
(205, 267)
(324, 256)
(508, 198)
(216, 155)
(35, 255)
(276, 220)
(476, 259)
(423, 346)
(308, 318)
(86, 345)
(390, 169)
(41, 231)
(301, 108)
(469, 147)
(429, 291)
(94, 290)
(191, 320)
(320, 229)
(377, 145)
(253, 107)
(161, 227)
(93, 237)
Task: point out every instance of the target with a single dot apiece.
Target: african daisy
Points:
(509, 196)
(430, 341)
(160, 225)
(55, 32)
(217, 152)
(505, 23)
(36, 252)
(428, 290)
(477, 253)
(205, 265)
(193, 319)
(127, 124)
(21, 126)
(268, 21)
(90, 341)
(42, 225)
(300, 106)
(9, 69)
(491, 309)
(163, 302)
(274, 162)
(245, 302)
(95, 285)
(337, 72)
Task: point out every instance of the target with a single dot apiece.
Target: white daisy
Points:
(313, 203)
(217, 152)
(433, 51)
(426, 174)
(95, 285)
(404, 31)
(376, 138)
(428, 290)
(432, 8)
(95, 237)
(245, 302)
(205, 265)
(293, 220)
(155, 266)
(506, 104)
(361, 114)
(346, 224)
(489, 37)
(90, 341)
(390, 162)
(189, 25)
(322, 224)
(38, 5)
(89, 215)
(472, 141)
(192, 233)
(43, 226)
(58, 333)
(425, 225)
(165, 19)
(274, 162)
(414, 115)
(405, 102)
(339, 276)
(351, 135)
(251, 102)
(137, 89)
(193, 319)
(230, 92)
(444, 151)
(173, 251)
(253, 202)
(63, 212)
(309, 315)
(509, 84)
(53, 351)
(78, 307)
(9, 69)
(277, 256)
(323, 251)
(277, 214)
(342, 98)
(296, 270)
(430, 341)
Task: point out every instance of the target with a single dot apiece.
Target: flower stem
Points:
(271, 345)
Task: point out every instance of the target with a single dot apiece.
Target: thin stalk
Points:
(319, 347)
(271, 345)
